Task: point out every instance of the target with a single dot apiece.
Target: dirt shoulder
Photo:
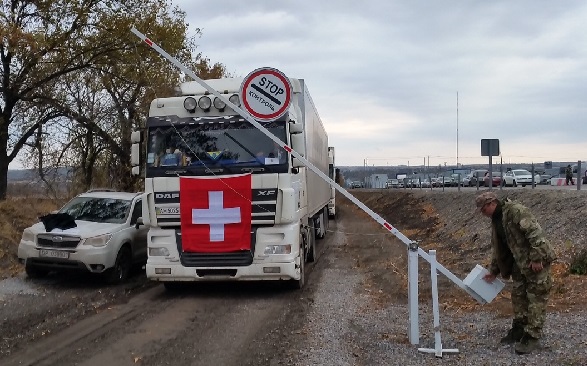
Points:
(447, 222)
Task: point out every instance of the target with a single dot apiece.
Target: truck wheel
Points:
(320, 226)
(35, 272)
(119, 273)
(311, 246)
(299, 284)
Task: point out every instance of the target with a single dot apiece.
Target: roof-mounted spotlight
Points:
(219, 104)
(205, 103)
(234, 99)
(190, 104)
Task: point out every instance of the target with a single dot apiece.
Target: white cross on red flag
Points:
(215, 213)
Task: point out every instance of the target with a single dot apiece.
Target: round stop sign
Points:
(266, 94)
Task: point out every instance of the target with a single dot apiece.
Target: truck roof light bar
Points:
(205, 103)
(219, 104)
(234, 99)
(190, 104)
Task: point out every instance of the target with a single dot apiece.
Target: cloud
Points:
(384, 75)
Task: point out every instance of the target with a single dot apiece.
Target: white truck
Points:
(332, 175)
(198, 135)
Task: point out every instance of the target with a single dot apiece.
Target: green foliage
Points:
(579, 263)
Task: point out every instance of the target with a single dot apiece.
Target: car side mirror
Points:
(139, 223)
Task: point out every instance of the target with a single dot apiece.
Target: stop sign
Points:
(266, 94)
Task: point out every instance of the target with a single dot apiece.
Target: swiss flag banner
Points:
(215, 213)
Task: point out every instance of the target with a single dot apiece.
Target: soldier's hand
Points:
(536, 266)
(489, 278)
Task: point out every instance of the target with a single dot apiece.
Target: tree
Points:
(46, 46)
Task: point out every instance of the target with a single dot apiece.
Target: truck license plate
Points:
(168, 210)
(53, 254)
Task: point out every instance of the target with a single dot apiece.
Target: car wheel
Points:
(119, 273)
(35, 272)
(514, 184)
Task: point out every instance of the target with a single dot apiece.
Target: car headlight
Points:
(158, 252)
(28, 235)
(277, 249)
(98, 241)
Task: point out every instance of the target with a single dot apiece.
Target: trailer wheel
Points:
(320, 224)
(311, 245)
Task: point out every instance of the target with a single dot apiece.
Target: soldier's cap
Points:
(485, 198)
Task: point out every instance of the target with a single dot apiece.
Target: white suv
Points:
(108, 237)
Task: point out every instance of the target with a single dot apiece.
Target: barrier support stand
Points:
(437, 350)
(414, 332)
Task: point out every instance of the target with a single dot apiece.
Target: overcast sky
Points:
(384, 74)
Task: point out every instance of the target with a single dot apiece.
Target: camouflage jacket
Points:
(525, 240)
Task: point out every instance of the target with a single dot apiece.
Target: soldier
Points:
(520, 250)
(569, 175)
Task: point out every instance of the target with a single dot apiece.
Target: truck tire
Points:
(321, 224)
(311, 246)
(121, 270)
(299, 284)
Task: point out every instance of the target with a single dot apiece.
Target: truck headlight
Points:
(98, 241)
(277, 249)
(27, 235)
(158, 252)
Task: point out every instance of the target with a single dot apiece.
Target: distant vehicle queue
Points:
(474, 178)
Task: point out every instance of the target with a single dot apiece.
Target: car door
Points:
(139, 236)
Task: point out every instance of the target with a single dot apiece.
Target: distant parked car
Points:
(392, 183)
(516, 177)
(477, 176)
(414, 183)
(425, 183)
(436, 182)
(467, 180)
(545, 179)
(496, 181)
(357, 184)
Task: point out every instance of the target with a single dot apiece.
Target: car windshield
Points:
(521, 172)
(94, 209)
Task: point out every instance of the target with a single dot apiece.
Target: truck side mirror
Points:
(139, 223)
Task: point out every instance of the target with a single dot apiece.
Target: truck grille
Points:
(232, 259)
(236, 259)
(57, 241)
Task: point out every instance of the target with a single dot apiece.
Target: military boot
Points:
(527, 344)
(514, 335)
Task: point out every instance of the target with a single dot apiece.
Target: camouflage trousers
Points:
(529, 297)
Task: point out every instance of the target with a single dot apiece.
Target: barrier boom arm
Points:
(309, 165)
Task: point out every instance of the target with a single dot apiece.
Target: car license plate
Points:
(53, 254)
(168, 210)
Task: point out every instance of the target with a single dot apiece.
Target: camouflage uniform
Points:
(524, 243)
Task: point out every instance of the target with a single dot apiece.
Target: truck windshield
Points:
(213, 145)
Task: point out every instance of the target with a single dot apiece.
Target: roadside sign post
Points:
(264, 112)
(490, 147)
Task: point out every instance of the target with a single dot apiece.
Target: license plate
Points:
(53, 254)
(168, 210)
